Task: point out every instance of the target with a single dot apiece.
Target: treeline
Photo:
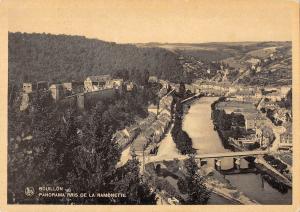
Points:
(53, 146)
(34, 57)
(180, 137)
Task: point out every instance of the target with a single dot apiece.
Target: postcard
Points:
(190, 104)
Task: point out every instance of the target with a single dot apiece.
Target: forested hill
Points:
(34, 57)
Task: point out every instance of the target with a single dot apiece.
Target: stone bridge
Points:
(202, 158)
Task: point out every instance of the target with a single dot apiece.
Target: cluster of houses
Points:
(144, 136)
(246, 141)
(147, 141)
(238, 92)
(279, 114)
(254, 121)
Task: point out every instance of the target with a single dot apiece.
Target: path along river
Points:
(198, 124)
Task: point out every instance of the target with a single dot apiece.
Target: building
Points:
(57, 91)
(253, 120)
(153, 79)
(243, 142)
(126, 136)
(27, 87)
(67, 86)
(245, 95)
(143, 140)
(254, 61)
(114, 83)
(164, 83)
(274, 96)
(117, 83)
(95, 83)
(286, 141)
(129, 86)
(236, 106)
(153, 108)
(24, 101)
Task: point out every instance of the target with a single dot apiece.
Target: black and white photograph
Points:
(150, 103)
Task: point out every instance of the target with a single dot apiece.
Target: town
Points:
(254, 122)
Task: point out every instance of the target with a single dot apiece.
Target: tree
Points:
(181, 90)
(130, 183)
(196, 189)
(146, 77)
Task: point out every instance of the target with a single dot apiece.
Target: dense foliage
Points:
(54, 146)
(65, 58)
(195, 185)
(182, 140)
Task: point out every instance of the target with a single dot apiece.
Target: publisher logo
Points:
(29, 191)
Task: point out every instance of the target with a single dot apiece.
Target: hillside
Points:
(251, 63)
(34, 57)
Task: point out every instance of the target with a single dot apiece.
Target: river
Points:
(198, 124)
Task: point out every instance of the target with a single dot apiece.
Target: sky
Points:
(166, 21)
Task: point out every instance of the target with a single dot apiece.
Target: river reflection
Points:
(198, 124)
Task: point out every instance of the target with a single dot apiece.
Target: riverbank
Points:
(200, 127)
(222, 187)
(264, 167)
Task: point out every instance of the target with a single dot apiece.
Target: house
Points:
(274, 96)
(232, 89)
(142, 141)
(258, 94)
(163, 91)
(286, 141)
(253, 61)
(165, 102)
(164, 83)
(165, 118)
(145, 123)
(153, 79)
(129, 86)
(243, 142)
(284, 90)
(117, 83)
(114, 83)
(95, 83)
(158, 130)
(67, 86)
(258, 69)
(153, 108)
(27, 87)
(57, 91)
(122, 138)
(24, 101)
(253, 120)
(242, 95)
